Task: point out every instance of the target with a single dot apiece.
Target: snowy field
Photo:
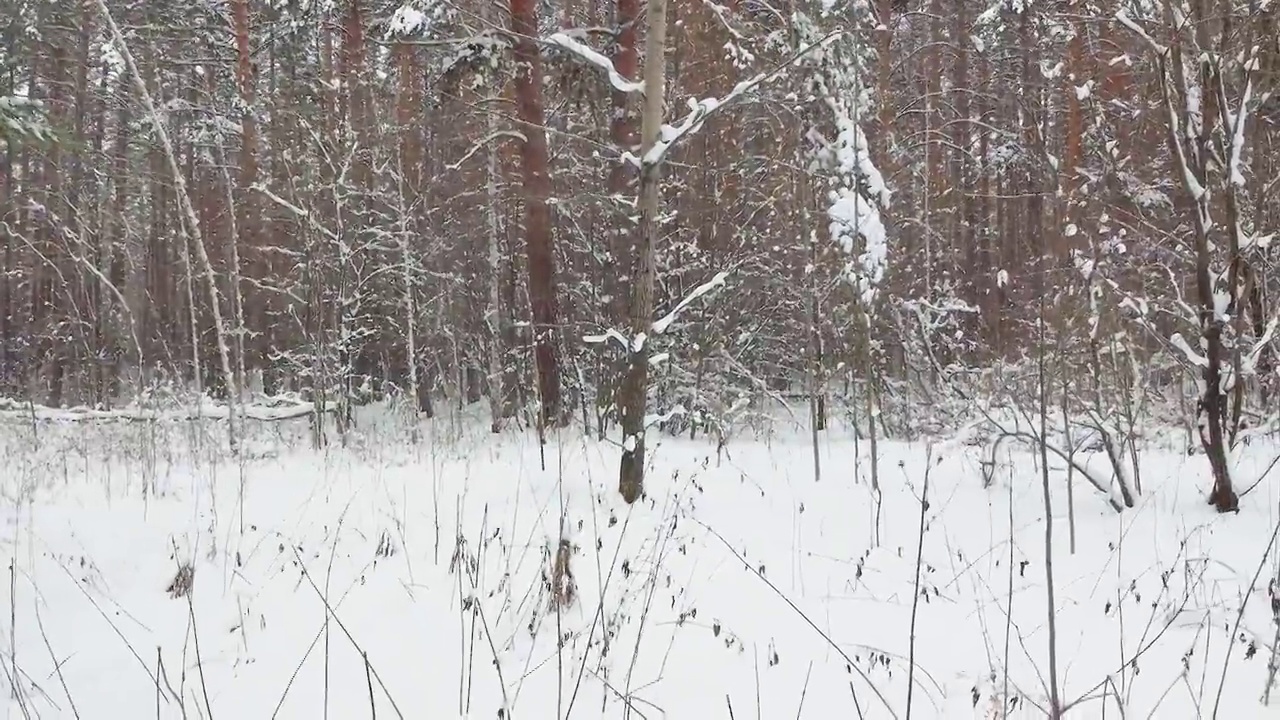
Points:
(391, 579)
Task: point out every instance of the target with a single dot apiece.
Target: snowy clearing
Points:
(738, 588)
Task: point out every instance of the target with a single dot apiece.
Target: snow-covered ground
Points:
(390, 579)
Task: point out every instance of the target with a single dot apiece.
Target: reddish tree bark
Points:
(254, 312)
(537, 210)
(622, 132)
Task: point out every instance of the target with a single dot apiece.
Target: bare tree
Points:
(635, 384)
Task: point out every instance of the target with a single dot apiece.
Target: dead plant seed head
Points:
(182, 582)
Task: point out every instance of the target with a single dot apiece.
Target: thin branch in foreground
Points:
(368, 679)
(195, 635)
(57, 666)
(1226, 662)
(832, 643)
(341, 626)
(915, 596)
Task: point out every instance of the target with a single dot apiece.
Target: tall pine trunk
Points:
(537, 209)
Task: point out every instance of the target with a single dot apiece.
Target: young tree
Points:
(635, 384)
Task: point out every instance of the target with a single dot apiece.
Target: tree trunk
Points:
(537, 209)
(192, 227)
(618, 271)
(243, 216)
(635, 385)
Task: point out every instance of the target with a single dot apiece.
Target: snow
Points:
(1221, 304)
(588, 54)
(268, 410)
(699, 109)
(855, 204)
(664, 323)
(409, 579)
(852, 216)
(407, 21)
(608, 335)
(1237, 137)
(1193, 356)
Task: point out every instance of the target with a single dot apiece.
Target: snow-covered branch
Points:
(588, 54)
(661, 326)
(605, 337)
(484, 141)
(299, 212)
(271, 411)
(700, 110)
(1123, 18)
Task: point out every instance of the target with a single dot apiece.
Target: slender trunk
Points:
(241, 214)
(635, 384)
(499, 408)
(618, 270)
(1054, 702)
(408, 98)
(192, 225)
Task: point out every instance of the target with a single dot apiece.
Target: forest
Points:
(1033, 224)
(449, 203)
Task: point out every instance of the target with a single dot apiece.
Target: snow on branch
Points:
(700, 110)
(1193, 357)
(299, 212)
(408, 21)
(482, 142)
(1237, 129)
(271, 410)
(1251, 360)
(608, 335)
(1124, 19)
(653, 419)
(583, 51)
(637, 343)
(661, 326)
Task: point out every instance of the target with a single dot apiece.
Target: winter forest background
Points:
(1036, 223)
(907, 203)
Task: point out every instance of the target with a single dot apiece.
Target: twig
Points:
(915, 598)
(17, 695)
(856, 706)
(341, 626)
(159, 664)
(832, 643)
(1239, 615)
(328, 573)
(195, 635)
(1142, 650)
(13, 625)
(493, 648)
(368, 678)
(1116, 694)
(111, 623)
(57, 666)
(1008, 618)
(804, 690)
(1263, 476)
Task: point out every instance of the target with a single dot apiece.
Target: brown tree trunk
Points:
(537, 209)
(623, 134)
(246, 214)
